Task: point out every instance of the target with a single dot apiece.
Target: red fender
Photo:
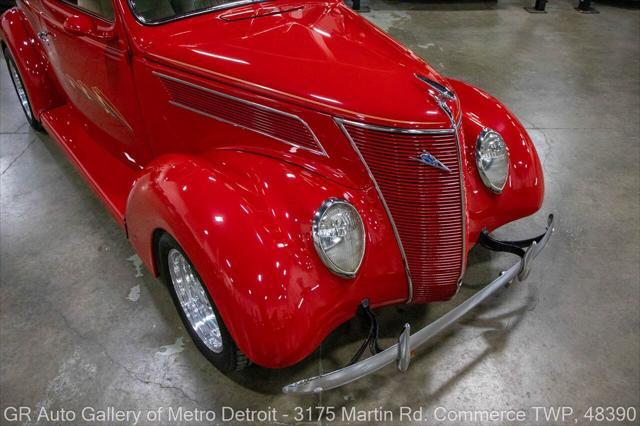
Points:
(524, 192)
(244, 220)
(42, 87)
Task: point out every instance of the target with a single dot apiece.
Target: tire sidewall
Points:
(8, 56)
(224, 361)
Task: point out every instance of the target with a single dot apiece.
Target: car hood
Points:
(321, 54)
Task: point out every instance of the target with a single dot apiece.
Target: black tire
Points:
(27, 109)
(230, 358)
(6, 5)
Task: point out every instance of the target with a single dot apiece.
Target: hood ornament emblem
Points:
(429, 160)
(441, 90)
(441, 94)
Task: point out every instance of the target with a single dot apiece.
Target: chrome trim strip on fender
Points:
(463, 193)
(441, 99)
(398, 353)
(397, 129)
(322, 151)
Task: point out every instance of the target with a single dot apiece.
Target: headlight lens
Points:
(492, 159)
(339, 238)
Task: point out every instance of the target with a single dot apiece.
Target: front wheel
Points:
(196, 308)
(16, 79)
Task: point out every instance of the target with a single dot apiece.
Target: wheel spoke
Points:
(194, 301)
(22, 93)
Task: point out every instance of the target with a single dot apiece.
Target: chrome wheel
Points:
(22, 93)
(194, 301)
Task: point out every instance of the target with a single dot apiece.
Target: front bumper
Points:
(407, 343)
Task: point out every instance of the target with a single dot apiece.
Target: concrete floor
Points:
(81, 325)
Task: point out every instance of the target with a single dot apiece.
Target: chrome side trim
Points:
(442, 103)
(463, 194)
(397, 130)
(322, 151)
(231, 5)
(399, 351)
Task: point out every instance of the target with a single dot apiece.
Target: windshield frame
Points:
(230, 5)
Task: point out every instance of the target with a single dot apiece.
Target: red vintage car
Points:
(282, 165)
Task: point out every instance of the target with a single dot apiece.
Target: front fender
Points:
(41, 85)
(244, 220)
(524, 192)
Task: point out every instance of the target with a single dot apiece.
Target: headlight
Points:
(492, 159)
(338, 235)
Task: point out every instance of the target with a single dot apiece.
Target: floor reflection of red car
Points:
(279, 164)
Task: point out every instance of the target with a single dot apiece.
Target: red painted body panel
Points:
(322, 54)
(250, 240)
(19, 36)
(107, 175)
(197, 133)
(524, 192)
(97, 79)
(240, 200)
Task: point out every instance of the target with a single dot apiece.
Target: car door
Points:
(90, 55)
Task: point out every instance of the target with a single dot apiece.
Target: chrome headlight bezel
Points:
(326, 259)
(484, 137)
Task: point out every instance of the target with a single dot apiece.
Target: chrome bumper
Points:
(407, 343)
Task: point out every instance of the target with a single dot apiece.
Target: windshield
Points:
(158, 11)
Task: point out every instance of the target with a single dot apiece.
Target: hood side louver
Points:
(267, 121)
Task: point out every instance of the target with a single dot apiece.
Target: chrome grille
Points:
(425, 203)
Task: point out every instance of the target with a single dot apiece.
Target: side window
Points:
(101, 8)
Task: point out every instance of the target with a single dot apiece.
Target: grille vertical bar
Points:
(425, 203)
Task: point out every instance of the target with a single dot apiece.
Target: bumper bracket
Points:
(371, 340)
